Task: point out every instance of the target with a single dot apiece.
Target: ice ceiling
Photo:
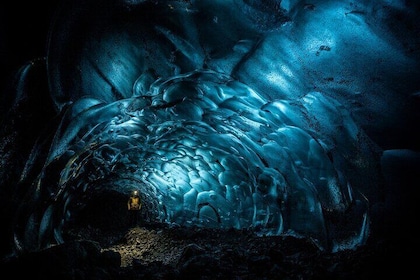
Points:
(225, 114)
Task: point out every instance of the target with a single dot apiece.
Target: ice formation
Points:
(214, 110)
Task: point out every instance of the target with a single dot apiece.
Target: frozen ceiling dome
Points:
(204, 149)
(222, 114)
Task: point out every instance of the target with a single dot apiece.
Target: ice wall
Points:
(226, 114)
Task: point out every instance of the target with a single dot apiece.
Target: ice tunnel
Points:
(215, 112)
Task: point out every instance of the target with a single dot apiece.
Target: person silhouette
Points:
(134, 206)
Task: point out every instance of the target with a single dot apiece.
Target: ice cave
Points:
(264, 115)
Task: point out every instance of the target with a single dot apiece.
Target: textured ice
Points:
(205, 149)
(224, 114)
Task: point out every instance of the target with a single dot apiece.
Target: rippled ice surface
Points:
(204, 149)
(211, 110)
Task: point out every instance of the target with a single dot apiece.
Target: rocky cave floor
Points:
(168, 252)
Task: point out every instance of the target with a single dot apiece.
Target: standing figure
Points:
(134, 206)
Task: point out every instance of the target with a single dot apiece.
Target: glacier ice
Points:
(204, 149)
(224, 114)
